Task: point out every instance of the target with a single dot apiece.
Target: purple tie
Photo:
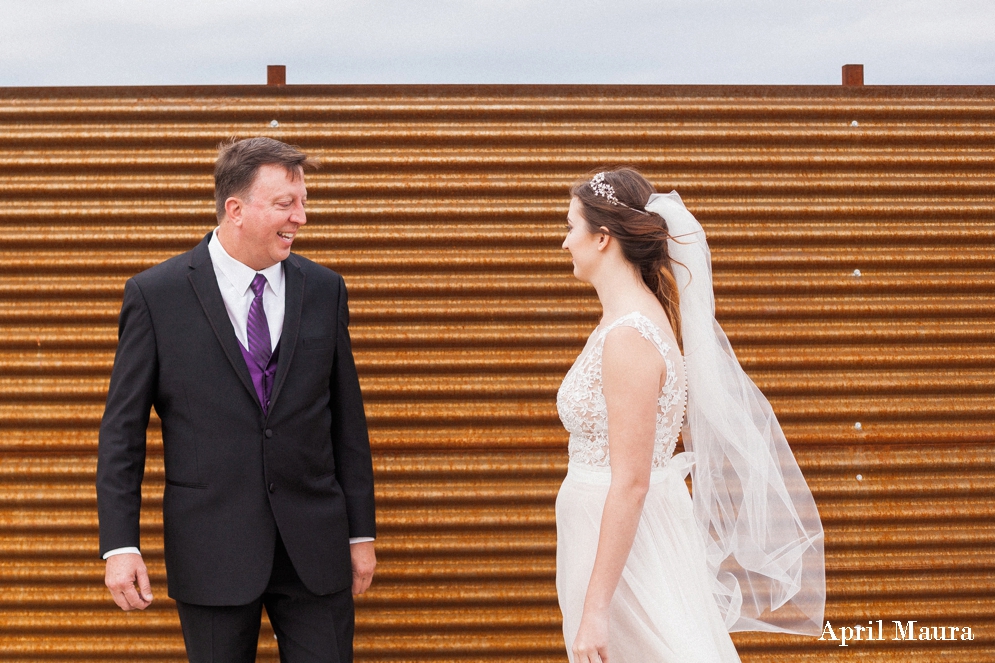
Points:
(257, 328)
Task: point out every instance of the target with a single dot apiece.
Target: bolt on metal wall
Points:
(852, 233)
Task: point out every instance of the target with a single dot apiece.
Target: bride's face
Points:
(583, 245)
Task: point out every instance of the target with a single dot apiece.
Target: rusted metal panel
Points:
(852, 233)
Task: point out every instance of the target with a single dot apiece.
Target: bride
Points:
(645, 573)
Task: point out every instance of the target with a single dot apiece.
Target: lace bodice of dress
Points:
(581, 401)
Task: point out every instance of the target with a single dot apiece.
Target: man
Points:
(243, 349)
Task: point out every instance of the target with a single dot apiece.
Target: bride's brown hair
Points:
(641, 235)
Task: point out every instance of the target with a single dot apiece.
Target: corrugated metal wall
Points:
(852, 233)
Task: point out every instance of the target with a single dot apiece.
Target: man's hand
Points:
(128, 580)
(364, 561)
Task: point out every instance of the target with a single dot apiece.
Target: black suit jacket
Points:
(233, 476)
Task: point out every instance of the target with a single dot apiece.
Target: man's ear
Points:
(233, 210)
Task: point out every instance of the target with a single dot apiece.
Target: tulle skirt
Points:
(662, 610)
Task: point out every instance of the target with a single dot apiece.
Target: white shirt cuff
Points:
(360, 539)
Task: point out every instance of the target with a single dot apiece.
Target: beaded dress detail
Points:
(663, 609)
(581, 405)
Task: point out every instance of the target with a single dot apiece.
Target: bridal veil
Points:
(753, 508)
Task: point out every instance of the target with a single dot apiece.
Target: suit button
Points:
(269, 433)
(272, 488)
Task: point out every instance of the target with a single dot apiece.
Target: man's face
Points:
(271, 214)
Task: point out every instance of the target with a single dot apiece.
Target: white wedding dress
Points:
(663, 609)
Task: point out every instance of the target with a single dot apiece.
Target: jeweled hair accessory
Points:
(602, 188)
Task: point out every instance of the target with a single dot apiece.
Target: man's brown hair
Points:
(240, 160)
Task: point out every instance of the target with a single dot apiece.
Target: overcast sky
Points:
(182, 42)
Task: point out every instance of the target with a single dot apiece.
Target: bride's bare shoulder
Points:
(627, 347)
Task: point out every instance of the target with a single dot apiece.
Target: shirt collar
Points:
(239, 274)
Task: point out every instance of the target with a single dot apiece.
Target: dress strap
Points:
(646, 327)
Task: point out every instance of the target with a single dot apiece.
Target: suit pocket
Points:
(185, 484)
(325, 475)
(318, 342)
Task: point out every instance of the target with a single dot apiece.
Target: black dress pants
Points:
(309, 628)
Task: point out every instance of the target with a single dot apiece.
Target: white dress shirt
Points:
(234, 279)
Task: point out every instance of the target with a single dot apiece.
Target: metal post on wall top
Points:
(276, 74)
(853, 75)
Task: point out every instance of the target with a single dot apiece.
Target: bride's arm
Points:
(632, 371)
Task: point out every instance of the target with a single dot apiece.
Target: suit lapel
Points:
(205, 285)
(293, 305)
